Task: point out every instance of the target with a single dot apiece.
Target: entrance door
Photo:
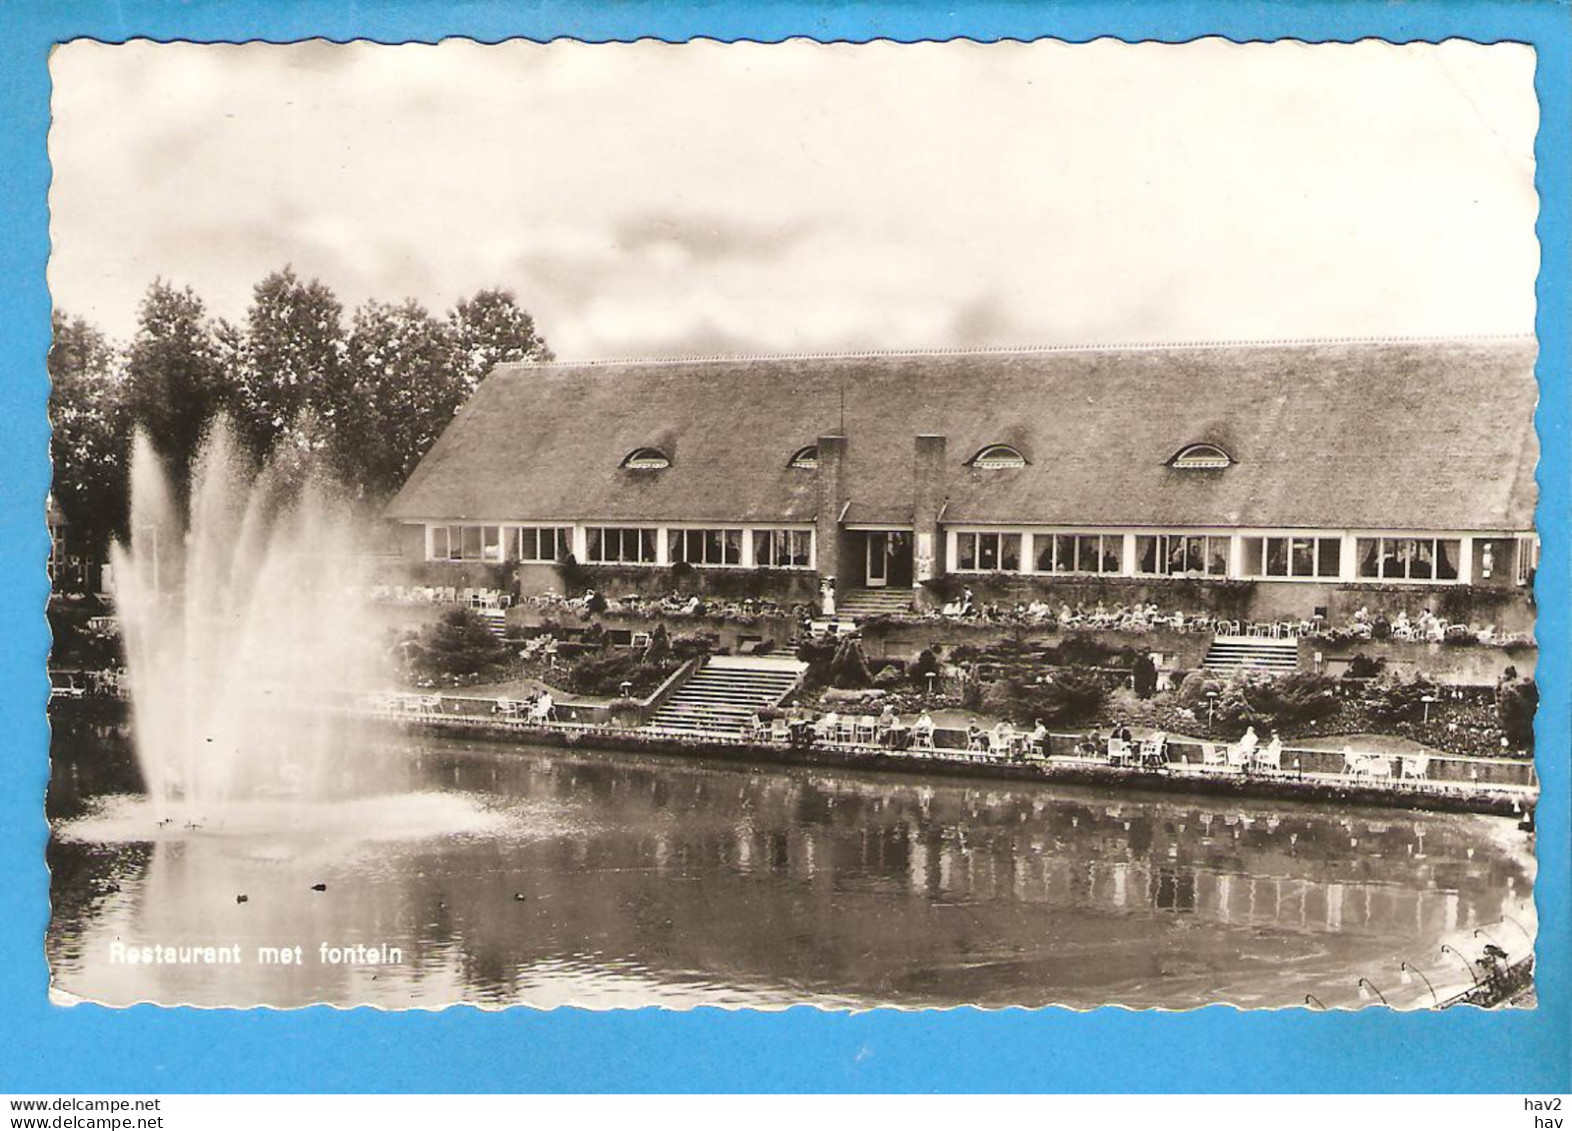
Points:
(878, 544)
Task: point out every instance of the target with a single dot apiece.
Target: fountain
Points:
(243, 626)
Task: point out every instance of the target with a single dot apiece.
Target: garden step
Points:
(1266, 653)
(723, 695)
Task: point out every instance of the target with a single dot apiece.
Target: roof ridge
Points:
(980, 351)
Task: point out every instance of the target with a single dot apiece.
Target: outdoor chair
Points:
(431, 705)
(1000, 742)
(846, 731)
(867, 729)
(922, 739)
(1212, 757)
(1154, 752)
(508, 708)
(1238, 758)
(780, 731)
(1416, 766)
(1269, 758)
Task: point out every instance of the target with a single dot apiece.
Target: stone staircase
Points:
(726, 692)
(860, 604)
(1264, 653)
(495, 620)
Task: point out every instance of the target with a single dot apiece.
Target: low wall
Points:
(1469, 665)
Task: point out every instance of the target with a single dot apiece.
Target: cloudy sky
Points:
(654, 199)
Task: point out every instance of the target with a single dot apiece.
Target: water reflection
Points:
(625, 880)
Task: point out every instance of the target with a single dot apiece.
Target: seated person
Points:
(1038, 739)
(975, 739)
(1249, 741)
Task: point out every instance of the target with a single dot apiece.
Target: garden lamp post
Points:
(932, 676)
(1447, 948)
(627, 686)
(1427, 700)
(1408, 972)
(1366, 987)
(1211, 706)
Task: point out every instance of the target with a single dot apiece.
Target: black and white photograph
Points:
(751, 525)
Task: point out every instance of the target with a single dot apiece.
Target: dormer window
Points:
(807, 458)
(646, 459)
(1201, 457)
(997, 456)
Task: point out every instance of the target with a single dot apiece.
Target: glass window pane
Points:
(733, 547)
(1330, 560)
(1086, 552)
(471, 543)
(491, 543)
(1217, 557)
(646, 545)
(1447, 557)
(1113, 553)
(966, 550)
(1302, 557)
(675, 546)
(762, 558)
(1194, 554)
(1369, 553)
(1010, 552)
(987, 551)
(593, 543)
(529, 544)
(1276, 557)
(711, 553)
(1145, 553)
(1424, 560)
(1042, 547)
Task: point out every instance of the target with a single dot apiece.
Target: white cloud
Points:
(653, 198)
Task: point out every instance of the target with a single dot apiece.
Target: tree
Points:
(172, 377)
(490, 329)
(90, 441)
(1143, 675)
(405, 389)
(289, 361)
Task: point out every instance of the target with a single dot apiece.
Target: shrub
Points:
(1516, 702)
(1396, 699)
(658, 650)
(1144, 675)
(849, 668)
(1193, 689)
(925, 664)
(1364, 667)
(1294, 699)
(459, 645)
(1066, 698)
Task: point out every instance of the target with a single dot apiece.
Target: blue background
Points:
(86, 1048)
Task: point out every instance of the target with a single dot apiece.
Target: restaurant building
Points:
(1284, 480)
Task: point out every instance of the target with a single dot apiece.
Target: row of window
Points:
(613, 545)
(1206, 555)
(500, 543)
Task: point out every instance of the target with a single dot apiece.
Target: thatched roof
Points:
(1429, 435)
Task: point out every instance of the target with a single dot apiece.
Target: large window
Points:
(1179, 555)
(980, 550)
(1409, 559)
(610, 545)
(466, 543)
(1527, 558)
(1080, 553)
(1294, 556)
(782, 549)
(543, 543)
(705, 547)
